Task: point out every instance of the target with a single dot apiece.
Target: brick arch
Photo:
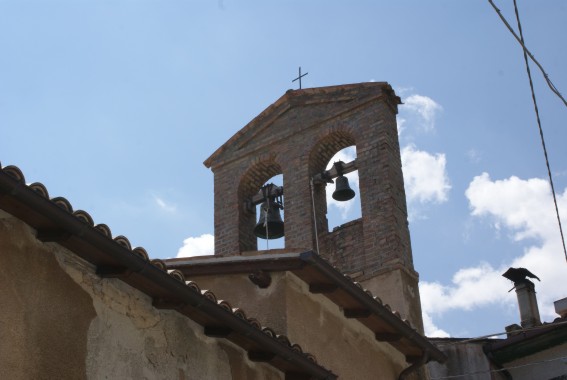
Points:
(326, 148)
(249, 184)
(322, 152)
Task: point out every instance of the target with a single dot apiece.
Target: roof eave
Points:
(295, 263)
(115, 260)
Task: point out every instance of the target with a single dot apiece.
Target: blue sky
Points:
(115, 105)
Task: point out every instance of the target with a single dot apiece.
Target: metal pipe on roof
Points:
(415, 366)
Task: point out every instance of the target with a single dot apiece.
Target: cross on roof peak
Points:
(299, 77)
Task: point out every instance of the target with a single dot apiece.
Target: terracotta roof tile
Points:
(208, 266)
(84, 217)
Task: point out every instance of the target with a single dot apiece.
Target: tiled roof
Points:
(56, 221)
(528, 341)
(350, 296)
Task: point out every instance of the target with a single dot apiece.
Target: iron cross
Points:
(299, 77)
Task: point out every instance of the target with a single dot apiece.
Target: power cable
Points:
(520, 40)
(501, 369)
(518, 331)
(553, 88)
(540, 128)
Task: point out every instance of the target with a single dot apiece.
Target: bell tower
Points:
(296, 137)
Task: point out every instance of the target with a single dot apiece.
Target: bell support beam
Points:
(274, 191)
(325, 176)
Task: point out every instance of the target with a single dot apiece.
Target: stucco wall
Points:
(463, 358)
(343, 345)
(541, 365)
(61, 321)
(45, 316)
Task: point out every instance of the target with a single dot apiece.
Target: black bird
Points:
(519, 274)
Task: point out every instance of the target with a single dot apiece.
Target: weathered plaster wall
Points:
(343, 345)
(398, 288)
(45, 316)
(545, 369)
(267, 305)
(462, 359)
(62, 321)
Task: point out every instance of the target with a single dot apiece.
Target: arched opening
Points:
(329, 213)
(341, 212)
(249, 188)
(270, 243)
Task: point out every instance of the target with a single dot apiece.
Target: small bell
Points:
(342, 192)
(270, 224)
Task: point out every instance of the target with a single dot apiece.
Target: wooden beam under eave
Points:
(52, 235)
(297, 376)
(217, 331)
(387, 337)
(260, 356)
(322, 288)
(113, 271)
(167, 303)
(357, 313)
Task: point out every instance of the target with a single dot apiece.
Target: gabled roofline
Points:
(286, 102)
(55, 221)
(324, 279)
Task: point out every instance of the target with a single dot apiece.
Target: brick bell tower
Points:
(296, 137)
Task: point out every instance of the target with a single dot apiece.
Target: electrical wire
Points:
(521, 330)
(520, 40)
(499, 370)
(527, 53)
(540, 127)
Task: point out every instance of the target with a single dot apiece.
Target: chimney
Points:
(525, 291)
(527, 301)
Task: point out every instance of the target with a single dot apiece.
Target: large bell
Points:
(342, 192)
(270, 224)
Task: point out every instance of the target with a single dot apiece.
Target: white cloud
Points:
(401, 125)
(197, 246)
(423, 106)
(470, 288)
(474, 156)
(346, 155)
(524, 208)
(425, 177)
(163, 205)
(431, 330)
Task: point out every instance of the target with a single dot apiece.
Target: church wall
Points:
(463, 358)
(60, 320)
(343, 345)
(546, 365)
(44, 315)
(341, 242)
(300, 140)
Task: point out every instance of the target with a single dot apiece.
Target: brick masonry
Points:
(297, 136)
